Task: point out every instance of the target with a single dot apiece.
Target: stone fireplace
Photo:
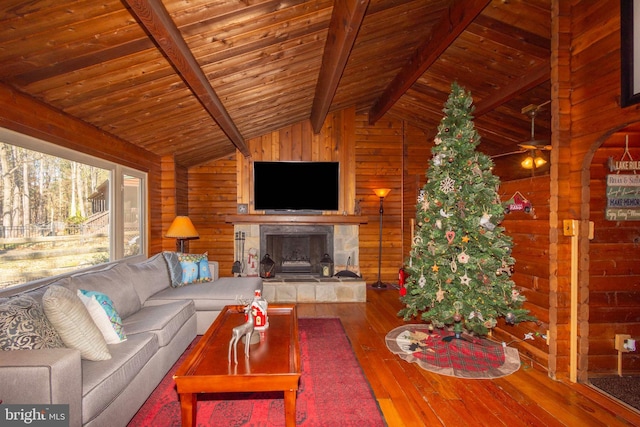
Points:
(297, 249)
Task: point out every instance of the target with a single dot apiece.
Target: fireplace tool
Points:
(238, 265)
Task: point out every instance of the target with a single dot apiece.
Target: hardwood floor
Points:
(411, 396)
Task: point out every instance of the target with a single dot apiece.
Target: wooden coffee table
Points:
(273, 363)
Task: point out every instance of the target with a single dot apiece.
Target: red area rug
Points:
(438, 351)
(333, 391)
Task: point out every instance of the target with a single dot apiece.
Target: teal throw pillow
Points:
(195, 268)
(114, 318)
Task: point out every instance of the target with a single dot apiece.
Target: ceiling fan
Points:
(534, 146)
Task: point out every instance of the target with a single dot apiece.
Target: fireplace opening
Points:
(296, 249)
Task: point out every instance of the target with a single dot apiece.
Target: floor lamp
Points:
(382, 193)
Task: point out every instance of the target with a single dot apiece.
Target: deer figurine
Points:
(246, 330)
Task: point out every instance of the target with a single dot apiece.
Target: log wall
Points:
(614, 268)
(586, 110)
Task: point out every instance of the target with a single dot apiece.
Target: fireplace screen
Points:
(297, 249)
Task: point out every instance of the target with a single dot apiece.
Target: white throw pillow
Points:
(74, 324)
(100, 318)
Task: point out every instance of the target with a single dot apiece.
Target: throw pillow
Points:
(175, 270)
(195, 268)
(74, 323)
(106, 318)
(24, 326)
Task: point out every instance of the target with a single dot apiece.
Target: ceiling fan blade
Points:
(495, 156)
(538, 144)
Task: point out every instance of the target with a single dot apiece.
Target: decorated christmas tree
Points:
(460, 263)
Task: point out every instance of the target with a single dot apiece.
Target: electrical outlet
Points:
(619, 342)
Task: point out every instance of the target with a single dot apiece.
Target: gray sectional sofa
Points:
(159, 321)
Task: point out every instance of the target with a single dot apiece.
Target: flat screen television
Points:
(296, 187)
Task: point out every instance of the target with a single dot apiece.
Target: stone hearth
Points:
(314, 289)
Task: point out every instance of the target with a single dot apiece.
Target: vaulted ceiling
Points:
(199, 78)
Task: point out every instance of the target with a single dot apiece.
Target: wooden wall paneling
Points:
(530, 236)
(614, 270)
(168, 189)
(416, 156)
(379, 151)
(212, 197)
(594, 113)
(347, 153)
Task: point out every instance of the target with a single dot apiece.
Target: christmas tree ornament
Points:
(485, 221)
(450, 235)
(447, 185)
(510, 318)
(444, 214)
(465, 280)
(439, 224)
(453, 265)
(435, 268)
(463, 258)
(422, 281)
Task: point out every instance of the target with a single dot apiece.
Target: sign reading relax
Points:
(623, 198)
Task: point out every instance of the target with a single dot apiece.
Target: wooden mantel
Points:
(296, 219)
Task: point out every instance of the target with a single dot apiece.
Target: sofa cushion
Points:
(155, 273)
(212, 296)
(74, 324)
(175, 270)
(106, 318)
(115, 281)
(164, 320)
(195, 268)
(24, 326)
(103, 381)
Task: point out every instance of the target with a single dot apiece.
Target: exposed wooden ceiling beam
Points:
(517, 87)
(346, 19)
(453, 22)
(156, 20)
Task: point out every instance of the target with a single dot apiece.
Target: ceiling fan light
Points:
(527, 163)
(539, 161)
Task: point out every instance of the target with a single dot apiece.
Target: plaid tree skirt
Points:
(440, 352)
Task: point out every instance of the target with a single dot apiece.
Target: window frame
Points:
(116, 181)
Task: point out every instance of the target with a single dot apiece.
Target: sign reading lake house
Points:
(623, 198)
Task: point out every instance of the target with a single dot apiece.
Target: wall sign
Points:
(623, 198)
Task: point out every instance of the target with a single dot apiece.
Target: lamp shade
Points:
(182, 228)
(381, 192)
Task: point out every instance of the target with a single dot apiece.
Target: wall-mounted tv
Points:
(296, 187)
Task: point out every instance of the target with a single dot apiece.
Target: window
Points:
(64, 211)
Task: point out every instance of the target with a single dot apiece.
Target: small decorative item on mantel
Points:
(267, 267)
(326, 266)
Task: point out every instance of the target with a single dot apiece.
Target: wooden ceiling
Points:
(199, 78)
